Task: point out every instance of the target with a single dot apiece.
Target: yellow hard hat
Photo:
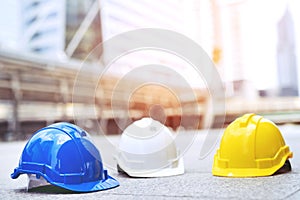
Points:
(251, 146)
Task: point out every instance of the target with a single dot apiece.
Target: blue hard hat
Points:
(65, 156)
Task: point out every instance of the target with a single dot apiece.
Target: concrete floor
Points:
(196, 183)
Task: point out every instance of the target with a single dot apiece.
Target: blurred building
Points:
(286, 56)
(43, 26)
(83, 28)
(36, 26)
(256, 52)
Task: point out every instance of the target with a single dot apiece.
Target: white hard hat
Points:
(147, 149)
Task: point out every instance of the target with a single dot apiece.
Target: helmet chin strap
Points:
(285, 168)
(39, 184)
(35, 181)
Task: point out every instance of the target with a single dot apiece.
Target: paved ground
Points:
(196, 183)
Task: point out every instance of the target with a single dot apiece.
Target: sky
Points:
(9, 24)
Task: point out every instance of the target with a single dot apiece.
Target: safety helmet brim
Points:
(178, 169)
(249, 172)
(105, 184)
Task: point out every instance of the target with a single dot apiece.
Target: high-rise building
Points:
(43, 26)
(286, 56)
(83, 29)
(33, 26)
